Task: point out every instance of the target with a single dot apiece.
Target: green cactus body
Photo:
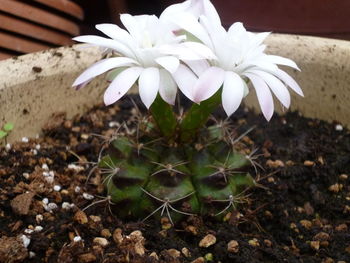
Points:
(173, 168)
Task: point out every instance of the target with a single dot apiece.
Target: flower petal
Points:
(208, 83)
(264, 95)
(107, 43)
(149, 85)
(102, 66)
(198, 66)
(232, 92)
(277, 87)
(167, 87)
(170, 63)
(201, 50)
(115, 32)
(282, 61)
(288, 80)
(185, 80)
(121, 84)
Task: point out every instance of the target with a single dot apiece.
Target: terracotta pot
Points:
(35, 86)
(29, 27)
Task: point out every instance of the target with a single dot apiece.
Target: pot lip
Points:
(34, 80)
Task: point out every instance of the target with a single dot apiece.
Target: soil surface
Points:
(53, 209)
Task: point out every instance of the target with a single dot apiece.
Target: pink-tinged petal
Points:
(82, 85)
(264, 95)
(121, 84)
(185, 80)
(232, 92)
(208, 83)
(282, 61)
(179, 51)
(198, 66)
(170, 63)
(277, 87)
(103, 66)
(289, 81)
(149, 85)
(167, 87)
(107, 43)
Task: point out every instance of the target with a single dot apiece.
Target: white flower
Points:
(143, 57)
(240, 56)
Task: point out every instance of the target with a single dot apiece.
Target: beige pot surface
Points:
(34, 86)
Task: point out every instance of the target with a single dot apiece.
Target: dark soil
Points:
(299, 213)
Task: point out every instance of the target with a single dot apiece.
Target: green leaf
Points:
(8, 127)
(164, 117)
(197, 116)
(3, 134)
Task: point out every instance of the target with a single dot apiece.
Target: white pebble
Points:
(37, 147)
(35, 152)
(38, 228)
(77, 239)
(51, 173)
(338, 127)
(75, 167)
(25, 139)
(46, 174)
(25, 240)
(113, 124)
(57, 188)
(49, 179)
(8, 147)
(25, 175)
(77, 189)
(45, 167)
(88, 196)
(50, 207)
(31, 254)
(39, 218)
(28, 231)
(45, 201)
(67, 206)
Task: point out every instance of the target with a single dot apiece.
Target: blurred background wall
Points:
(32, 25)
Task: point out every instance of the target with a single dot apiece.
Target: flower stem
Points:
(197, 116)
(164, 117)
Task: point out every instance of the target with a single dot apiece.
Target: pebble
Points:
(45, 201)
(75, 167)
(186, 252)
(86, 258)
(254, 242)
(45, 167)
(101, 241)
(8, 147)
(77, 238)
(39, 218)
(88, 196)
(207, 241)
(106, 233)
(233, 246)
(117, 236)
(32, 254)
(37, 147)
(77, 189)
(343, 177)
(341, 228)
(154, 255)
(50, 207)
(174, 253)
(315, 245)
(338, 127)
(199, 260)
(67, 206)
(335, 188)
(274, 164)
(25, 240)
(25, 139)
(309, 163)
(306, 223)
(209, 257)
(322, 236)
(26, 175)
(57, 188)
(38, 228)
(80, 217)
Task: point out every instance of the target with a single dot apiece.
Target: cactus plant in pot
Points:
(170, 183)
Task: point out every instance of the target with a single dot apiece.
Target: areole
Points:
(37, 85)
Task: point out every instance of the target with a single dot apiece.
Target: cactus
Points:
(175, 170)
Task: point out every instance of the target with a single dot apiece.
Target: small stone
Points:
(95, 219)
(207, 241)
(21, 203)
(191, 229)
(198, 260)
(45, 201)
(274, 164)
(88, 196)
(268, 243)
(106, 233)
(117, 236)
(306, 223)
(315, 245)
(84, 136)
(209, 257)
(77, 238)
(154, 255)
(45, 167)
(309, 163)
(25, 240)
(38, 228)
(57, 188)
(174, 253)
(80, 217)
(37, 147)
(50, 207)
(77, 189)
(254, 242)
(186, 252)
(343, 177)
(335, 188)
(25, 139)
(341, 228)
(8, 147)
(39, 218)
(322, 236)
(67, 206)
(26, 175)
(32, 254)
(101, 241)
(233, 246)
(338, 127)
(86, 258)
